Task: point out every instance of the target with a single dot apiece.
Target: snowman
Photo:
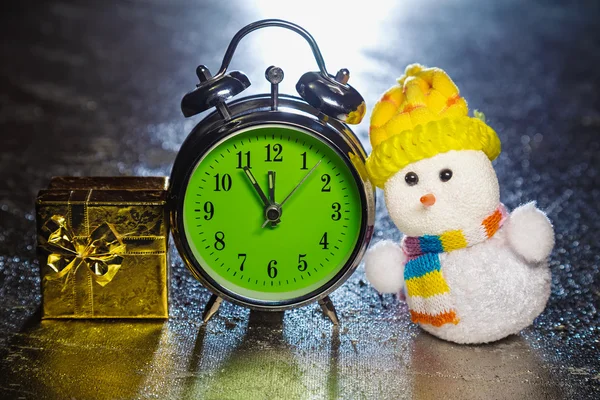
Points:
(470, 271)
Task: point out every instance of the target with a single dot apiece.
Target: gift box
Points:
(103, 247)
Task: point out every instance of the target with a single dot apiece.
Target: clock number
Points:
(222, 182)
(326, 179)
(336, 211)
(209, 209)
(303, 160)
(277, 148)
(240, 159)
(324, 241)
(243, 261)
(219, 240)
(302, 264)
(271, 270)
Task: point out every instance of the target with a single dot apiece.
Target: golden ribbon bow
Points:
(100, 252)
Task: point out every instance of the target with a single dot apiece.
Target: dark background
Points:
(93, 88)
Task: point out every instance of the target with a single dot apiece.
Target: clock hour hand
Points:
(256, 186)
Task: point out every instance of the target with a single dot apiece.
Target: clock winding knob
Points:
(274, 75)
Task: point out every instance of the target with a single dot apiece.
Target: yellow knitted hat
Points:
(420, 117)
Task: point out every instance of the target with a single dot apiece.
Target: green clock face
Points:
(272, 213)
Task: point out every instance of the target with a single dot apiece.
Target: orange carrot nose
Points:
(428, 200)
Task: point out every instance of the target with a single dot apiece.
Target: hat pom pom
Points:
(410, 70)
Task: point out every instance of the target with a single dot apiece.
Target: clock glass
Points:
(272, 213)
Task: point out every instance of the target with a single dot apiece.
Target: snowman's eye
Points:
(411, 178)
(445, 175)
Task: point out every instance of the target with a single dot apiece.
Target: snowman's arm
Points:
(384, 266)
(530, 233)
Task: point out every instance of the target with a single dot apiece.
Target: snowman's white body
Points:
(498, 286)
(495, 292)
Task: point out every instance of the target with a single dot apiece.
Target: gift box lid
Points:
(102, 190)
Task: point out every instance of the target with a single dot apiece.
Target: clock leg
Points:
(211, 307)
(329, 309)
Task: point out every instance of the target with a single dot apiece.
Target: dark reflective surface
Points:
(94, 89)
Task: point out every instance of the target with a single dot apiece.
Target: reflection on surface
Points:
(504, 369)
(296, 355)
(261, 365)
(80, 359)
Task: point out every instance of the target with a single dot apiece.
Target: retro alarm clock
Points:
(270, 204)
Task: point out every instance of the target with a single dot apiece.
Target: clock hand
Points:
(256, 186)
(272, 187)
(300, 183)
(277, 207)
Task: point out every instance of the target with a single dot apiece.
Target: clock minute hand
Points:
(256, 186)
(272, 187)
(300, 183)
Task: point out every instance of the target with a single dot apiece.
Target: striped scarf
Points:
(428, 294)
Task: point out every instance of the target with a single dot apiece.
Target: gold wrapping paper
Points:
(103, 248)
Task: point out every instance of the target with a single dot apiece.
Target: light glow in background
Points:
(349, 35)
(374, 40)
